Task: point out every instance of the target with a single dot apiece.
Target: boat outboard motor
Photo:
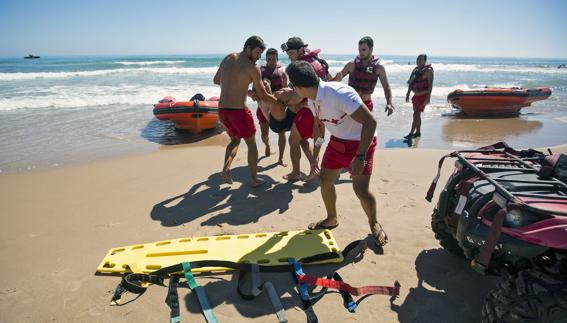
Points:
(198, 97)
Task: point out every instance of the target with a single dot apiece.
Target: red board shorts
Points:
(369, 104)
(340, 152)
(304, 123)
(237, 122)
(260, 116)
(418, 102)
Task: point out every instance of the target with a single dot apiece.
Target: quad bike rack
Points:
(521, 164)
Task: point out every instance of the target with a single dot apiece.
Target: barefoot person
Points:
(363, 74)
(302, 128)
(234, 75)
(351, 146)
(272, 73)
(421, 83)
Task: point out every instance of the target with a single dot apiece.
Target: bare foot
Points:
(226, 176)
(293, 177)
(258, 182)
(281, 163)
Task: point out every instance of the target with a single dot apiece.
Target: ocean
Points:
(64, 110)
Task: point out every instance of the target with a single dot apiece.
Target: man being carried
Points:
(421, 83)
(364, 72)
(274, 75)
(351, 146)
(234, 75)
(302, 128)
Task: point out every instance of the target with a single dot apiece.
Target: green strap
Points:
(205, 307)
(189, 276)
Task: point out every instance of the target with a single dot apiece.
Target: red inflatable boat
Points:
(496, 100)
(195, 115)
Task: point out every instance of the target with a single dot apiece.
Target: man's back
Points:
(234, 81)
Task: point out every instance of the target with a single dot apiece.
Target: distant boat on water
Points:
(30, 56)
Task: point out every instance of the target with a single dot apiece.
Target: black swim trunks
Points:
(279, 126)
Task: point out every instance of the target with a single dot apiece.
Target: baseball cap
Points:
(293, 43)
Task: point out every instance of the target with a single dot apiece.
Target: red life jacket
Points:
(319, 65)
(275, 76)
(363, 79)
(417, 81)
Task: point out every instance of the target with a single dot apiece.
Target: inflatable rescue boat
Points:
(195, 115)
(496, 100)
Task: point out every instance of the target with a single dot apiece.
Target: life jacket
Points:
(363, 79)
(320, 66)
(275, 76)
(416, 81)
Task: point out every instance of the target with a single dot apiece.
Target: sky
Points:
(495, 28)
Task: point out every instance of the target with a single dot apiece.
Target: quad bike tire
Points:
(446, 240)
(529, 296)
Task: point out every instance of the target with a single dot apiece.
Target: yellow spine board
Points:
(268, 249)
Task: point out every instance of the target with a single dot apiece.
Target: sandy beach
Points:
(59, 223)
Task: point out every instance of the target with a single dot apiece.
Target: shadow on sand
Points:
(447, 290)
(232, 206)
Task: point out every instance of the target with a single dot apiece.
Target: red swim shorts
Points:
(237, 122)
(369, 104)
(340, 152)
(304, 123)
(260, 116)
(418, 102)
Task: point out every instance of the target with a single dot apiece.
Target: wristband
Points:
(319, 142)
(361, 157)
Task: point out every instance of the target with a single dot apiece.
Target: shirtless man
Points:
(421, 83)
(352, 144)
(364, 71)
(302, 128)
(234, 75)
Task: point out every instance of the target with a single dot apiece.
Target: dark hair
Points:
(255, 42)
(424, 57)
(302, 74)
(366, 40)
(272, 51)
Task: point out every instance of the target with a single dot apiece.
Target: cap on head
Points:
(293, 43)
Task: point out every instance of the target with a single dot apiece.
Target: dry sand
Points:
(58, 224)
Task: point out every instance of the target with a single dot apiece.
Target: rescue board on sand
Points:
(269, 249)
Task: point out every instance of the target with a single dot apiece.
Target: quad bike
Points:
(505, 211)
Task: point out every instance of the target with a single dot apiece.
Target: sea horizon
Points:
(104, 104)
(277, 47)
